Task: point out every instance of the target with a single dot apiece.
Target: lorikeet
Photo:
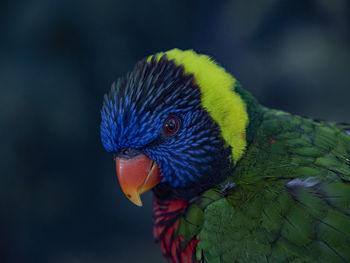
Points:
(233, 181)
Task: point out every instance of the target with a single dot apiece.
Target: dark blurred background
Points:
(59, 198)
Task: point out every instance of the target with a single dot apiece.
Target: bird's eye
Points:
(171, 126)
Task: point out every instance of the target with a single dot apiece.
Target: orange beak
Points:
(136, 176)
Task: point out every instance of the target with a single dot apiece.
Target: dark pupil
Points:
(171, 126)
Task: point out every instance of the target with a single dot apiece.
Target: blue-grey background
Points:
(59, 198)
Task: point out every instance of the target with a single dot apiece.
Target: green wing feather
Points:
(291, 200)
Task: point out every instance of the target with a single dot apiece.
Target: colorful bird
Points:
(233, 181)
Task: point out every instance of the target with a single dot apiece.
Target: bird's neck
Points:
(255, 113)
(168, 207)
(166, 218)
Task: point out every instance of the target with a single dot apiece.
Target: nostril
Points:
(125, 151)
(128, 153)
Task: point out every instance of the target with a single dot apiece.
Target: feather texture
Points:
(291, 202)
(284, 197)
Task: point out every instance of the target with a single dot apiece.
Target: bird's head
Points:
(174, 123)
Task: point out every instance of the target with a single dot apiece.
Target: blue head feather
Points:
(133, 116)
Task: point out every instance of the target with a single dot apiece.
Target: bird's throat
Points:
(166, 217)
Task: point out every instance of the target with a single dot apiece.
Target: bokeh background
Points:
(59, 198)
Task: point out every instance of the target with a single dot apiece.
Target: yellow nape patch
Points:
(223, 104)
